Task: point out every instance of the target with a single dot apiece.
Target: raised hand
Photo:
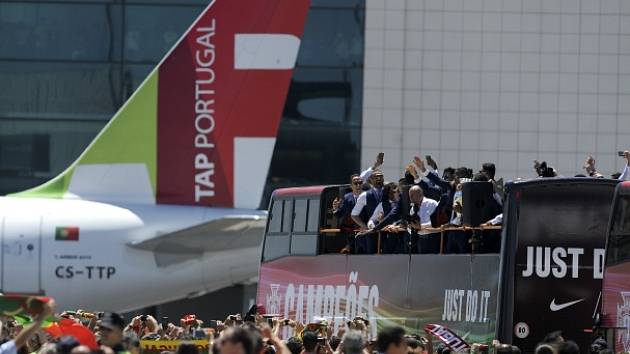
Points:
(379, 160)
(419, 164)
(412, 171)
(431, 162)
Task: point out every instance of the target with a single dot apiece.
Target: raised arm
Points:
(431, 176)
(31, 329)
(366, 174)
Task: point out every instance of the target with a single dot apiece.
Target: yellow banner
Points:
(158, 346)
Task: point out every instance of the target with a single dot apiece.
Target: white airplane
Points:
(162, 204)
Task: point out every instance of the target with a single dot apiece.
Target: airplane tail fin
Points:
(201, 128)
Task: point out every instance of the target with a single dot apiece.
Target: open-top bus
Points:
(552, 255)
(616, 291)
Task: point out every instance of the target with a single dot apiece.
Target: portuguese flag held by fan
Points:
(66, 233)
(67, 327)
(11, 305)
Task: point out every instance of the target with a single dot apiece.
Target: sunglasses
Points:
(357, 183)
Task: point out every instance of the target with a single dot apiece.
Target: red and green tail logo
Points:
(204, 119)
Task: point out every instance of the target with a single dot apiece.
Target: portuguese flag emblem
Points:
(66, 233)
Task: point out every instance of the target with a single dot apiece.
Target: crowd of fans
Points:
(422, 212)
(251, 334)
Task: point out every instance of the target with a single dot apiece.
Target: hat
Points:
(321, 321)
(112, 320)
(352, 342)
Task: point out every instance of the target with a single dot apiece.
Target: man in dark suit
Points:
(342, 209)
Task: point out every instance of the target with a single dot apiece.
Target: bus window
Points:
(288, 215)
(277, 239)
(275, 222)
(276, 246)
(619, 241)
(299, 223)
(303, 245)
(303, 242)
(313, 215)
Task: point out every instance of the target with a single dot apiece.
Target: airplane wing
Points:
(231, 232)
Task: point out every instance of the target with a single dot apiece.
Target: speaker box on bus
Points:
(478, 205)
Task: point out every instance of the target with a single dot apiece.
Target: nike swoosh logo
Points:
(557, 307)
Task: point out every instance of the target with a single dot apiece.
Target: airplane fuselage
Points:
(78, 252)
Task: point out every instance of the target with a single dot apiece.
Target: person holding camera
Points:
(543, 170)
(142, 326)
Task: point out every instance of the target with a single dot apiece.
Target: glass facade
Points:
(67, 66)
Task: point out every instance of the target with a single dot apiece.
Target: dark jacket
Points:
(343, 213)
(442, 214)
(373, 198)
(392, 211)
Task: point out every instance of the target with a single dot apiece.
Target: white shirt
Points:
(365, 175)
(427, 208)
(358, 206)
(497, 220)
(456, 218)
(625, 175)
(8, 348)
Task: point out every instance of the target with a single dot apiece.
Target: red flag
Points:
(448, 337)
(54, 330)
(81, 333)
